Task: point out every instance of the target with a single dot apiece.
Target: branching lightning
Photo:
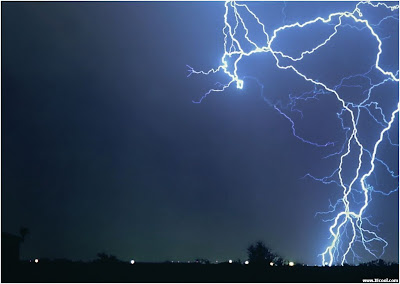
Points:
(349, 225)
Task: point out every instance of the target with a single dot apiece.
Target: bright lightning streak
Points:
(348, 225)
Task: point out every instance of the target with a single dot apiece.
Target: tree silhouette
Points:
(23, 232)
(377, 262)
(103, 257)
(259, 253)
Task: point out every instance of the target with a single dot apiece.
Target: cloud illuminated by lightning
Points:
(349, 223)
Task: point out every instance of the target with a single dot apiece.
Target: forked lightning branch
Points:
(349, 225)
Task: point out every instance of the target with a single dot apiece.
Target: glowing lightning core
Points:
(347, 220)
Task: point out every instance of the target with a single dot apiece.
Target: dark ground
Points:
(167, 272)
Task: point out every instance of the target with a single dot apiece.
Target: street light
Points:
(291, 263)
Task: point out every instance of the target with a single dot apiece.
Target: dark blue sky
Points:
(103, 149)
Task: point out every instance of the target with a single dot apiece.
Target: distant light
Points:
(246, 262)
(271, 263)
(132, 261)
(291, 263)
(36, 260)
(230, 261)
(216, 261)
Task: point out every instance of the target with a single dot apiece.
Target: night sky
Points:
(103, 149)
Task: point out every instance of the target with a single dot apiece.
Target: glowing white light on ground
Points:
(230, 261)
(246, 262)
(132, 261)
(291, 263)
(36, 260)
(271, 263)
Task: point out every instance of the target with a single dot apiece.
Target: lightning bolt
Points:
(349, 225)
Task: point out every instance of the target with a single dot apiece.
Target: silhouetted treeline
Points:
(62, 270)
(263, 265)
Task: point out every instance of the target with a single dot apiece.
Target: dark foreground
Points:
(167, 272)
